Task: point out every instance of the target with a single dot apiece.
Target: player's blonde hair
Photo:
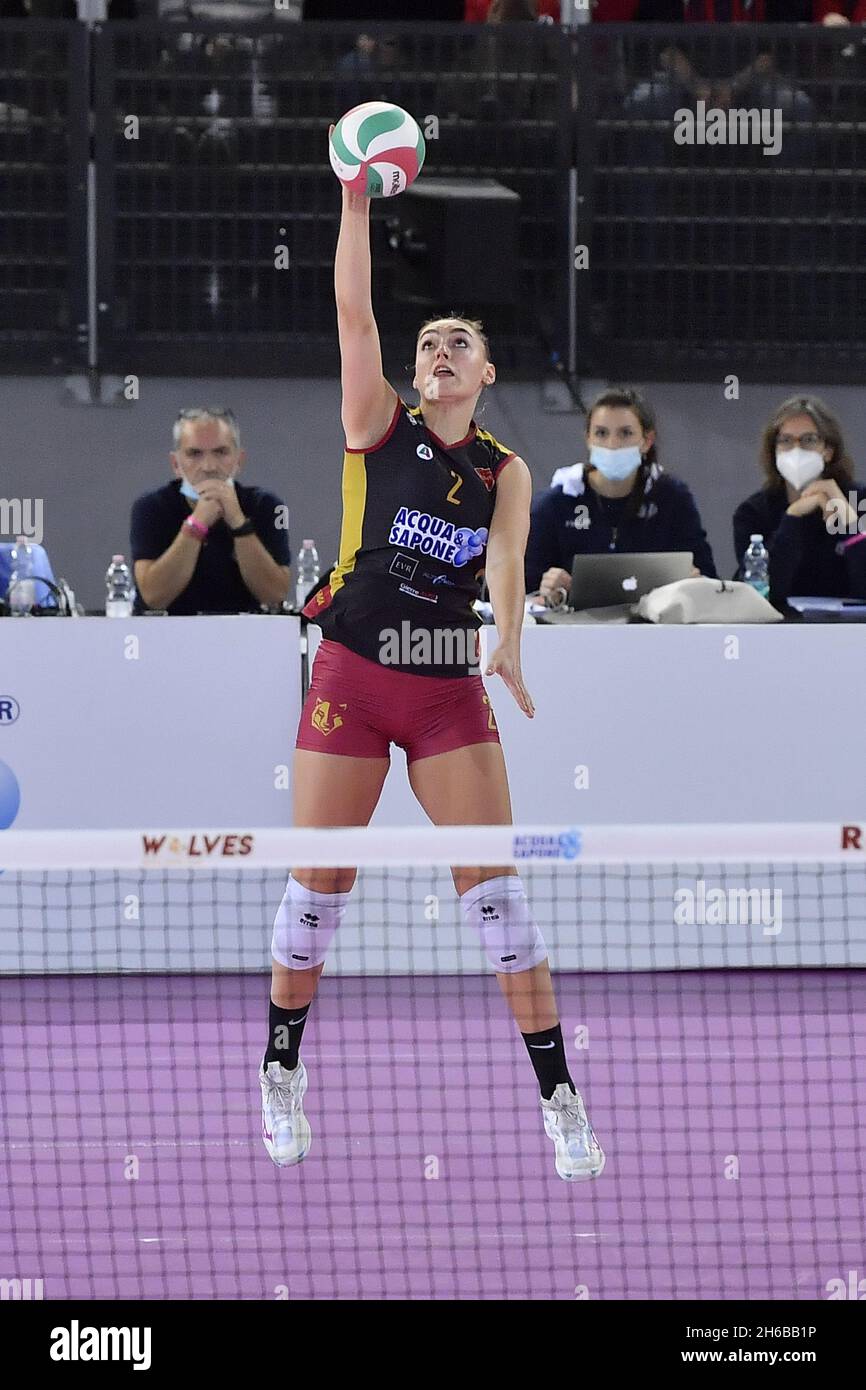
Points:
(475, 324)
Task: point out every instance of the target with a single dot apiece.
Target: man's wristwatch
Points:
(246, 528)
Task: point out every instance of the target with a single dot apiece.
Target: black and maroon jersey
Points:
(416, 518)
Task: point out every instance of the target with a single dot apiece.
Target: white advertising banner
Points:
(660, 754)
(136, 722)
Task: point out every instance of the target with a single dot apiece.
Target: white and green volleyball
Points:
(377, 149)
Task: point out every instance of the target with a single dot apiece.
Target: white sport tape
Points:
(305, 924)
(499, 911)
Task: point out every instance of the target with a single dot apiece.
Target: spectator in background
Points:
(677, 81)
(230, 11)
(421, 11)
(204, 543)
(620, 500)
(371, 71)
(704, 11)
(722, 67)
(478, 11)
(38, 9)
(809, 509)
(840, 11)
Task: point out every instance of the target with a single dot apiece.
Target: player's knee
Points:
(500, 913)
(305, 925)
(326, 880)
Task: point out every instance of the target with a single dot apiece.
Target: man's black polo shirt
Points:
(216, 585)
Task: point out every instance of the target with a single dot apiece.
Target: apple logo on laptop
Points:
(630, 583)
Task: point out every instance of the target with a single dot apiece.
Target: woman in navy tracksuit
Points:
(619, 501)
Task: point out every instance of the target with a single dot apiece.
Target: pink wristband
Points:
(197, 528)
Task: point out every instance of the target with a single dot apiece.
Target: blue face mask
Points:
(187, 489)
(615, 464)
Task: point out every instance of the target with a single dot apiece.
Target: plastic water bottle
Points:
(308, 572)
(21, 594)
(756, 566)
(119, 589)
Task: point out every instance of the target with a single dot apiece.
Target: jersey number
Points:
(458, 483)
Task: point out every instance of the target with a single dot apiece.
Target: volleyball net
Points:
(713, 1005)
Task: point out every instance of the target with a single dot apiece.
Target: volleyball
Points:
(377, 149)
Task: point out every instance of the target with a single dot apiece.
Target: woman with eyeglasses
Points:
(810, 511)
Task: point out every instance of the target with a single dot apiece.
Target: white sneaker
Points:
(578, 1152)
(285, 1127)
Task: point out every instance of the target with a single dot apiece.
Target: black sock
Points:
(285, 1029)
(547, 1053)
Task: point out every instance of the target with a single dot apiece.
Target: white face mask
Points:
(799, 467)
(615, 464)
(189, 491)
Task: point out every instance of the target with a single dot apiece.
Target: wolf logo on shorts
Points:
(322, 718)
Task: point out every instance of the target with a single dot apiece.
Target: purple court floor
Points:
(730, 1104)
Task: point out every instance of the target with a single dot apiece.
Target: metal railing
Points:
(708, 257)
(645, 249)
(228, 173)
(43, 187)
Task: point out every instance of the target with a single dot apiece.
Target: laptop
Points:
(602, 581)
(829, 610)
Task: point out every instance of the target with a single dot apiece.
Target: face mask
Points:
(187, 489)
(799, 467)
(615, 464)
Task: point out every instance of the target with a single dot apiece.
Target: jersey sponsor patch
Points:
(403, 566)
(486, 476)
(436, 537)
(418, 593)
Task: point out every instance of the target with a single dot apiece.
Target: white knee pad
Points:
(305, 924)
(499, 911)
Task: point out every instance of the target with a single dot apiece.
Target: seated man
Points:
(203, 543)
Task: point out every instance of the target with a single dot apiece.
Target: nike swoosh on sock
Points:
(541, 1046)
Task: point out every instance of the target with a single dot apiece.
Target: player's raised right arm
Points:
(368, 399)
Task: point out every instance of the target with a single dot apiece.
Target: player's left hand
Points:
(505, 662)
(839, 515)
(219, 490)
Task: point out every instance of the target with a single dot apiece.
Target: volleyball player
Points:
(428, 500)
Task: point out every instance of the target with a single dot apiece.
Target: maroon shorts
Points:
(358, 708)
